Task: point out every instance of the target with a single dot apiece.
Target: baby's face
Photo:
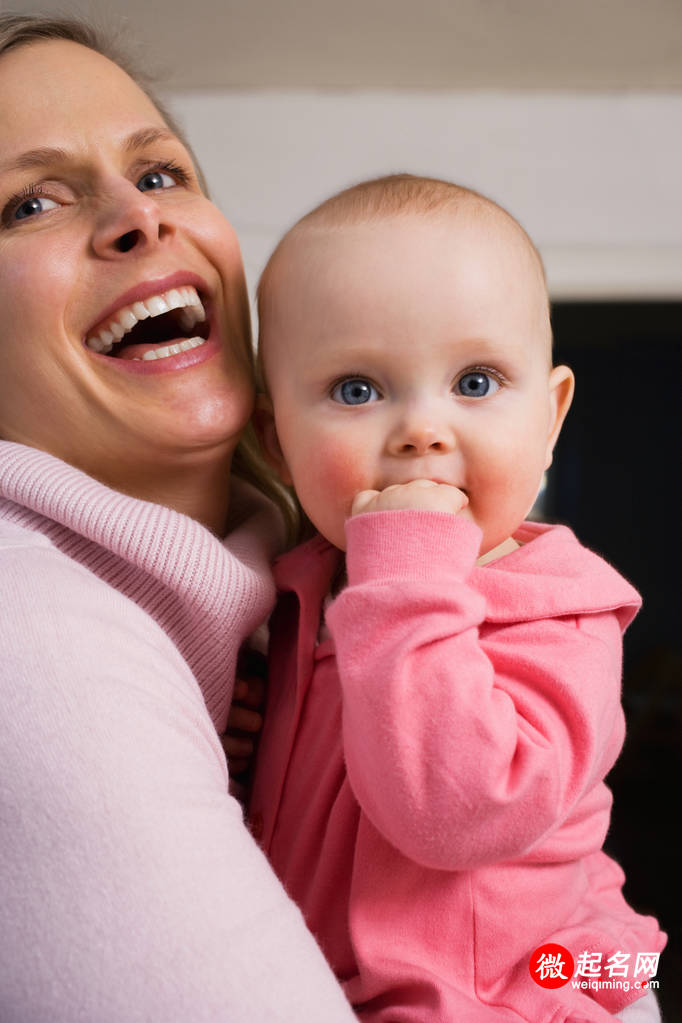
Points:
(412, 348)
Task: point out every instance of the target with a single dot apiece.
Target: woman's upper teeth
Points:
(185, 298)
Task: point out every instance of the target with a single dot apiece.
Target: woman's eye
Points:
(155, 179)
(477, 384)
(33, 205)
(355, 391)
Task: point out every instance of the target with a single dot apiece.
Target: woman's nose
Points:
(129, 220)
(421, 432)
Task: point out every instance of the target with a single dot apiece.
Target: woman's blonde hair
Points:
(24, 29)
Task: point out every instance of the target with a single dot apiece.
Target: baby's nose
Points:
(421, 434)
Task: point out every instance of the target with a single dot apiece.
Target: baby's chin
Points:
(333, 533)
(495, 535)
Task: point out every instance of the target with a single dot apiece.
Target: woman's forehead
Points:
(54, 90)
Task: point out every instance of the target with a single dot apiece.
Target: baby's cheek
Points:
(341, 474)
(326, 484)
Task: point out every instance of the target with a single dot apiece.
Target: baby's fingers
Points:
(363, 501)
(236, 747)
(242, 719)
(417, 494)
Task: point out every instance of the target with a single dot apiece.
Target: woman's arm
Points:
(464, 748)
(131, 889)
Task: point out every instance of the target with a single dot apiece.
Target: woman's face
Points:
(100, 213)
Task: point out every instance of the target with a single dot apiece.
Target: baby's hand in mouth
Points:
(420, 494)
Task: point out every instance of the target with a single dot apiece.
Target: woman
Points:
(131, 890)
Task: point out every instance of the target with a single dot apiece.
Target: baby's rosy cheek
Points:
(341, 472)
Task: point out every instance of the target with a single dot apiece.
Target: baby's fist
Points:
(420, 495)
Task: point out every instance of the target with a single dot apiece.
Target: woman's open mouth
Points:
(162, 325)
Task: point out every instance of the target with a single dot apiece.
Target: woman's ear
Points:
(266, 431)
(561, 387)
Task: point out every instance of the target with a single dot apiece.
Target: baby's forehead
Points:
(316, 256)
(479, 222)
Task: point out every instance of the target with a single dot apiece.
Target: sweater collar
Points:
(552, 575)
(308, 569)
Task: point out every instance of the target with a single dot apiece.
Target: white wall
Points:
(596, 179)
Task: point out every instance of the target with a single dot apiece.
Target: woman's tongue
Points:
(154, 333)
(137, 351)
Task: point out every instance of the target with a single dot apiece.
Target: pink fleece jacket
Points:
(131, 890)
(430, 782)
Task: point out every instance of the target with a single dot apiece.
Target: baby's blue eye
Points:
(36, 204)
(355, 391)
(476, 384)
(154, 180)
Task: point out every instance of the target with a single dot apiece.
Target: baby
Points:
(444, 701)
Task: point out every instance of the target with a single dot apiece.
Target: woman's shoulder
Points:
(31, 563)
(54, 606)
(15, 538)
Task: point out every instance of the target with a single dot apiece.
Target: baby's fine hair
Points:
(377, 199)
(394, 195)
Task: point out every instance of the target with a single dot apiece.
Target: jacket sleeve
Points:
(465, 750)
(131, 889)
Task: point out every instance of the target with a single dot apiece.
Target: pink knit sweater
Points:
(131, 890)
(430, 783)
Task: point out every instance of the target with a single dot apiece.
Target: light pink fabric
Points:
(131, 890)
(430, 783)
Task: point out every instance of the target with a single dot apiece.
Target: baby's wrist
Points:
(410, 545)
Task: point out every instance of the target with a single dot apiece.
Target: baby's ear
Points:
(561, 386)
(266, 431)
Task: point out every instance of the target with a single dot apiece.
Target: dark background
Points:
(615, 481)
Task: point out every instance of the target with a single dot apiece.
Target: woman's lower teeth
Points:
(174, 349)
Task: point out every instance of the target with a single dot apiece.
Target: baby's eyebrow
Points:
(489, 346)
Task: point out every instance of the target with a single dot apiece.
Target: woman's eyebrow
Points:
(46, 156)
(35, 158)
(147, 137)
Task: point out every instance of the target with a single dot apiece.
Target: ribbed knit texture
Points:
(131, 890)
(205, 594)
